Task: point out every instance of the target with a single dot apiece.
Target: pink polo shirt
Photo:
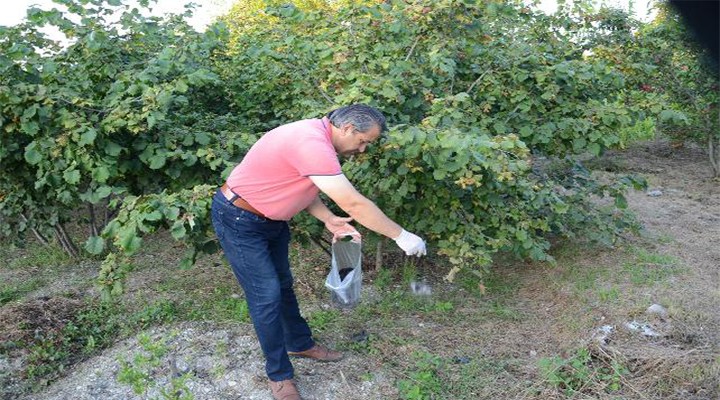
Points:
(274, 175)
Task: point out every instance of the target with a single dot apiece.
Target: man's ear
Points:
(348, 129)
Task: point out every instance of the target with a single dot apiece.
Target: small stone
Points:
(461, 360)
(603, 333)
(655, 193)
(420, 288)
(657, 309)
(205, 363)
(232, 383)
(533, 353)
(645, 329)
(360, 337)
(182, 365)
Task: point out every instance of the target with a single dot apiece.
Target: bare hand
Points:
(339, 227)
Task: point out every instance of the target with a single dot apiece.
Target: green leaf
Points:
(594, 148)
(130, 242)
(71, 176)
(178, 230)
(621, 202)
(181, 86)
(101, 174)
(157, 161)
(117, 288)
(153, 216)
(111, 228)
(202, 138)
(95, 245)
(113, 149)
(88, 137)
(499, 127)
(186, 263)
(32, 156)
(103, 192)
(30, 127)
(172, 213)
(579, 144)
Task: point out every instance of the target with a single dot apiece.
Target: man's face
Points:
(352, 142)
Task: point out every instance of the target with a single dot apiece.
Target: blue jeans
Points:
(257, 249)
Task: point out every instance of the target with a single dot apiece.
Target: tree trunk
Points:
(379, 253)
(37, 233)
(106, 213)
(714, 153)
(93, 221)
(65, 241)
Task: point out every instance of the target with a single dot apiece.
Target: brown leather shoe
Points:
(318, 352)
(284, 390)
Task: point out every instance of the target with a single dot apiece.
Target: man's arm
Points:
(359, 207)
(339, 226)
(319, 210)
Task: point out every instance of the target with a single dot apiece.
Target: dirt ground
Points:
(490, 346)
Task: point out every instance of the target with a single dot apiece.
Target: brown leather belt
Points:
(239, 202)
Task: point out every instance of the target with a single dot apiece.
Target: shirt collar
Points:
(327, 125)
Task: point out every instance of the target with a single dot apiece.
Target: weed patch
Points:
(423, 381)
(140, 371)
(583, 372)
(321, 320)
(94, 327)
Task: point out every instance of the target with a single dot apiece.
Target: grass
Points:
(11, 291)
(35, 256)
(646, 268)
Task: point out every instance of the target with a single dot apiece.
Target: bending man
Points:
(280, 176)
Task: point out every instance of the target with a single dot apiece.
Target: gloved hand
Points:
(412, 244)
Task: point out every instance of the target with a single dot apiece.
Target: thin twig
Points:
(323, 93)
(412, 48)
(511, 113)
(317, 242)
(34, 230)
(477, 80)
(343, 378)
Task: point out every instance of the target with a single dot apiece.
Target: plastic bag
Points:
(345, 277)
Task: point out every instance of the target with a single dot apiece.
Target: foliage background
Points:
(492, 105)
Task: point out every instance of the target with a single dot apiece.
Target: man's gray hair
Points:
(360, 116)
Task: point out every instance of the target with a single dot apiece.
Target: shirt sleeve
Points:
(314, 156)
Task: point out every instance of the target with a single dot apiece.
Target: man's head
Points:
(354, 127)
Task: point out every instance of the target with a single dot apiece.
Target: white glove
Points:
(412, 244)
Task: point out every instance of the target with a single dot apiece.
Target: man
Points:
(280, 176)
